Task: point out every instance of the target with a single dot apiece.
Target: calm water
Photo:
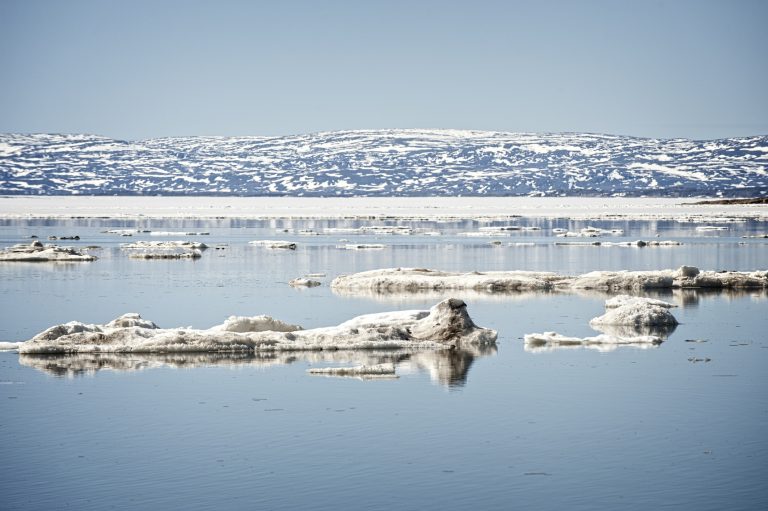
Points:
(627, 429)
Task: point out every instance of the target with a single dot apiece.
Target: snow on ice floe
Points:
(415, 280)
(446, 325)
(288, 245)
(37, 252)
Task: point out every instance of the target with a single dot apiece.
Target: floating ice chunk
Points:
(500, 228)
(37, 252)
(342, 230)
(705, 228)
(166, 254)
(387, 369)
(387, 229)
(143, 245)
(126, 232)
(418, 280)
(446, 325)
(559, 230)
(9, 346)
(485, 234)
(549, 341)
(178, 233)
(288, 245)
(372, 229)
(640, 243)
(303, 282)
(363, 246)
(662, 331)
(588, 232)
(624, 280)
(394, 280)
(636, 312)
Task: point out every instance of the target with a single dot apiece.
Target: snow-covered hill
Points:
(385, 162)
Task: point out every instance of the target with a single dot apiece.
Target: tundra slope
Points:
(385, 163)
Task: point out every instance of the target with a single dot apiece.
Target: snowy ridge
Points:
(385, 163)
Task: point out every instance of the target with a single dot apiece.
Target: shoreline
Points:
(16, 207)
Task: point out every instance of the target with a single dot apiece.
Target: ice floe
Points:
(362, 246)
(636, 243)
(704, 228)
(405, 279)
(393, 280)
(37, 252)
(590, 232)
(628, 321)
(166, 254)
(416, 280)
(143, 245)
(288, 245)
(178, 233)
(378, 370)
(635, 312)
(550, 341)
(303, 282)
(446, 325)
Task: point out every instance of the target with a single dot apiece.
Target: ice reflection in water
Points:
(445, 367)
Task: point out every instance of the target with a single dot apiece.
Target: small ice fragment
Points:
(288, 245)
(363, 370)
(302, 282)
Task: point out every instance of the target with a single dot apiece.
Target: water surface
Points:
(625, 429)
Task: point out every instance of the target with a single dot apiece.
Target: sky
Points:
(141, 69)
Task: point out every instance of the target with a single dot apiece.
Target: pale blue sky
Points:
(139, 69)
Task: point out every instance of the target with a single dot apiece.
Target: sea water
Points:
(680, 425)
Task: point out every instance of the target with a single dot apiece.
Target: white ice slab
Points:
(445, 326)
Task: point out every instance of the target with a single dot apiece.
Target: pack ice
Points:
(446, 325)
